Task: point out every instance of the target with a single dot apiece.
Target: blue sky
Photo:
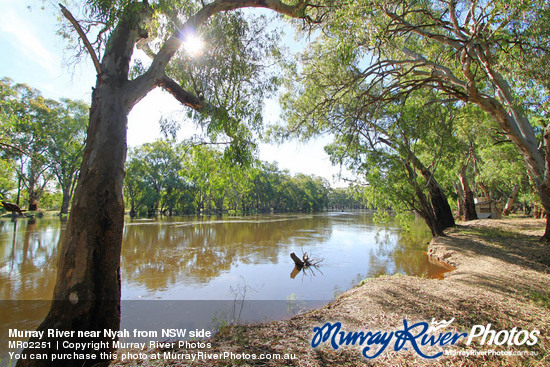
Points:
(32, 53)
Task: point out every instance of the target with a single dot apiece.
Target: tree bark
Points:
(65, 203)
(440, 204)
(68, 183)
(460, 201)
(299, 263)
(440, 209)
(424, 209)
(33, 195)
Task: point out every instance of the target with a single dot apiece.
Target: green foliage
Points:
(43, 139)
(177, 179)
(234, 76)
(389, 81)
(7, 177)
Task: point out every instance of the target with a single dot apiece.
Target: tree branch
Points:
(197, 103)
(444, 72)
(143, 84)
(67, 14)
(181, 95)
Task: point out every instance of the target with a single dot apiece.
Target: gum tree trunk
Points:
(423, 207)
(460, 201)
(469, 204)
(442, 210)
(68, 184)
(87, 291)
(511, 200)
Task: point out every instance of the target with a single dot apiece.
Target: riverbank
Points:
(501, 277)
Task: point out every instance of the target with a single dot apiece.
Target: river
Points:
(202, 268)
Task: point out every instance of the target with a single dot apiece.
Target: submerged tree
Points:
(87, 291)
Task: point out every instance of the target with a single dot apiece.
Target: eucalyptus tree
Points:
(27, 115)
(46, 138)
(207, 174)
(7, 177)
(66, 137)
(465, 49)
(376, 138)
(153, 176)
(87, 291)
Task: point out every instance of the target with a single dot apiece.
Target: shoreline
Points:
(501, 277)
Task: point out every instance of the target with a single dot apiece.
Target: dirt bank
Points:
(501, 277)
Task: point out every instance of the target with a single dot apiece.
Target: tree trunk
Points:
(87, 290)
(485, 190)
(68, 186)
(425, 210)
(18, 190)
(511, 199)
(440, 204)
(65, 203)
(460, 201)
(544, 194)
(33, 195)
(469, 204)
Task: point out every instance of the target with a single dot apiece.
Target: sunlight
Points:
(193, 44)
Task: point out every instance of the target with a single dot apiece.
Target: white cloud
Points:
(20, 33)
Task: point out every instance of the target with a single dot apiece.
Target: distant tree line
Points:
(167, 178)
(41, 147)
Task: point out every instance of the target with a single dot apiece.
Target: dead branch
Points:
(67, 14)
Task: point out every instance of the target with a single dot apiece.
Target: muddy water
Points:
(217, 258)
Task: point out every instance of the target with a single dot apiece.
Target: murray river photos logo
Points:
(418, 336)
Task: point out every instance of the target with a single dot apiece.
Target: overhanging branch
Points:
(181, 95)
(197, 103)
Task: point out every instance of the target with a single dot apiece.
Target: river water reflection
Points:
(220, 258)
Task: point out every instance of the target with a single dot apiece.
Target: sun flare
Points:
(193, 44)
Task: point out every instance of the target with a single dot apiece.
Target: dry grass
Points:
(501, 277)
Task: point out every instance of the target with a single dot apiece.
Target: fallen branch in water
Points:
(304, 263)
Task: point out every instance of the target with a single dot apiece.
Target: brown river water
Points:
(193, 268)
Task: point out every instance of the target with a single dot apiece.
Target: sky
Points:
(33, 53)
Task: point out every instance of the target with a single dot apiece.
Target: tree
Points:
(375, 138)
(458, 48)
(66, 144)
(152, 174)
(27, 117)
(87, 291)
